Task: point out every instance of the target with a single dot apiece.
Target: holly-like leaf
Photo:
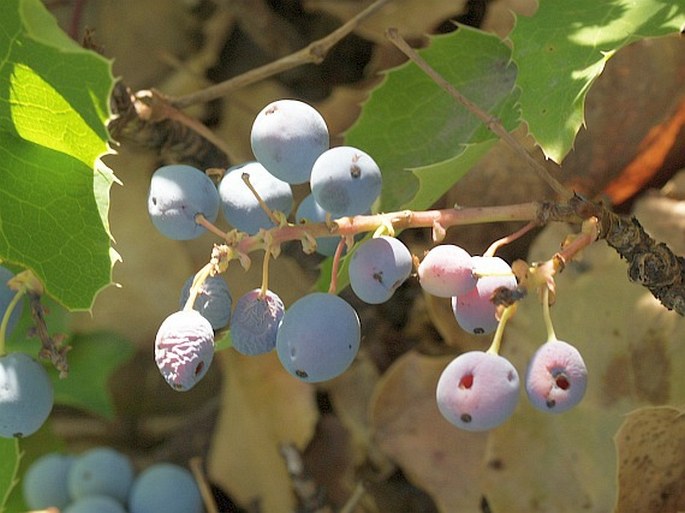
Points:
(409, 122)
(54, 195)
(563, 48)
(10, 455)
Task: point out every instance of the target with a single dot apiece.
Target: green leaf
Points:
(92, 360)
(409, 122)
(10, 455)
(54, 196)
(563, 48)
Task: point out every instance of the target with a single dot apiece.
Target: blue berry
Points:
(101, 471)
(26, 395)
(184, 349)
(309, 210)
(287, 137)
(378, 267)
(318, 337)
(178, 193)
(167, 488)
(345, 181)
(240, 206)
(45, 482)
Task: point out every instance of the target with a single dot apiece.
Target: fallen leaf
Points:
(262, 407)
(651, 468)
(407, 425)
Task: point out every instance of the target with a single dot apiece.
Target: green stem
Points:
(551, 336)
(198, 281)
(497, 338)
(6, 318)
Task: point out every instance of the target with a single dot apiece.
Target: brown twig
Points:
(314, 53)
(53, 347)
(650, 263)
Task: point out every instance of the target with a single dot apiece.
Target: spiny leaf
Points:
(563, 48)
(409, 122)
(53, 201)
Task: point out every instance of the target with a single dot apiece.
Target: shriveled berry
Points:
(184, 348)
(214, 300)
(255, 322)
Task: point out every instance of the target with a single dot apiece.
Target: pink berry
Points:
(556, 378)
(475, 312)
(478, 391)
(446, 271)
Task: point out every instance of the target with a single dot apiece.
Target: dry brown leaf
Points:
(262, 407)
(651, 472)
(635, 353)
(413, 19)
(152, 31)
(407, 425)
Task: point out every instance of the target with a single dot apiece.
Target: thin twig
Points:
(314, 53)
(491, 122)
(201, 480)
(260, 200)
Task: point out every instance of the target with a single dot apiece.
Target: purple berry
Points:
(478, 391)
(447, 271)
(255, 322)
(474, 311)
(556, 378)
(184, 348)
(213, 301)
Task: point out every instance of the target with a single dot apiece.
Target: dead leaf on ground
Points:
(262, 407)
(651, 471)
(407, 425)
(635, 354)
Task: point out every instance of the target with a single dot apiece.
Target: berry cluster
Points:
(103, 480)
(479, 390)
(26, 392)
(318, 336)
